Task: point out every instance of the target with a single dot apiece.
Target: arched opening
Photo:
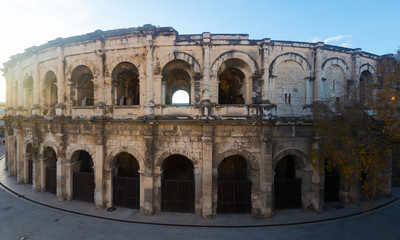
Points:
(180, 97)
(177, 190)
(29, 161)
(126, 84)
(231, 86)
(50, 161)
(287, 186)
(234, 186)
(83, 176)
(126, 181)
(28, 93)
(82, 88)
(176, 76)
(331, 186)
(366, 88)
(49, 92)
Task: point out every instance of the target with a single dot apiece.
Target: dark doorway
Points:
(234, 188)
(30, 162)
(83, 177)
(50, 160)
(287, 188)
(126, 181)
(331, 186)
(178, 191)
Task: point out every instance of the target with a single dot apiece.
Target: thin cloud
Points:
(340, 40)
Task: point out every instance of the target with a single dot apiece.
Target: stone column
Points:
(317, 182)
(60, 82)
(198, 191)
(20, 156)
(61, 191)
(36, 173)
(7, 152)
(99, 78)
(149, 111)
(207, 171)
(265, 69)
(163, 91)
(206, 66)
(355, 72)
(36, 87)
(108, 90)
(70, 168)
(42, 167)
(151, 179)
(318, 95)
(98, 177)
(266, 177)
(20, 90)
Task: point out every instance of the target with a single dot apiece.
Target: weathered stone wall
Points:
(278, 83)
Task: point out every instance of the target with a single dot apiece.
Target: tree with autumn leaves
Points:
(360, 132)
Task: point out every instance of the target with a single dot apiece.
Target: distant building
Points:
(92, 118)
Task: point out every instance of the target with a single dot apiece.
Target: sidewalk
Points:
(281, 217)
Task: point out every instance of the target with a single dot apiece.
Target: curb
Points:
(197, 225)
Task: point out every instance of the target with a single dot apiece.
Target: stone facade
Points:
(106, 93)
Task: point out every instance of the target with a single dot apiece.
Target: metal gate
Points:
(177, 196)
(83, 186)
(30, 171)
(126, 192)
(287, 193)
(331, 188)
(234, 197)
(51, 180)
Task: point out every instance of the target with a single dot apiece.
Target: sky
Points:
(370, 25)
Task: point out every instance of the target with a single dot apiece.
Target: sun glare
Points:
(180, 97)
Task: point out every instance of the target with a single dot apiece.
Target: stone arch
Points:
(335, 61)
(290, 56)
(175, 151)
(110, 161)
(25, 145)
(235, 54)
(249, 157)
(177, 55)
(46, 68)
(49, 144)
(126, 58)
(368, 67)
(77, 63)
(301, 159)
(86, 148)
(253, 164)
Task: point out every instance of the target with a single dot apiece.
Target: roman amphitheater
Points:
(97, 118)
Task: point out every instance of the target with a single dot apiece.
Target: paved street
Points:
(21, 219)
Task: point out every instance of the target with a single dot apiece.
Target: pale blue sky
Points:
(368, 24)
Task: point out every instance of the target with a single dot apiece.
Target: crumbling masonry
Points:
(92, 118)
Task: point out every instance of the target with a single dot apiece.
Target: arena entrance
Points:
(30, 162)
(50, 160)
(178, 191)
(126, 181)
(287, 188)
(234, 188)
(83, 177)
(331, 186)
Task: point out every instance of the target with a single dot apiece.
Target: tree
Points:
(360, 130)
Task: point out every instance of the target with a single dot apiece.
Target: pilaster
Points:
(207, 141)
(20, 156)
(265, 69)
(318, 95)
(206, 65)
(149, 111)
